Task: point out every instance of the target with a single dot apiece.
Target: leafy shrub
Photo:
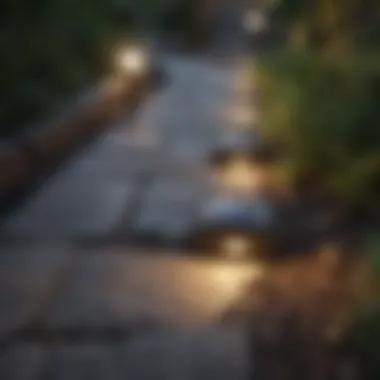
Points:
(49, 49)
(363, 338)
(324, 112)
(52, 48)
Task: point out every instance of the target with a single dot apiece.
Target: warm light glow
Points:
(233, 281)
(236, 246)
(241, 176)
(242, 81)
(242, 116)
(132, 60)
(255, 21)
(243, 77)
(243, 85)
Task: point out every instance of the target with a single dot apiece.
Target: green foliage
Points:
(325, 113)
(52, 48)
(363, 336)
(153, 13)
(368, 31)
(322, 105)
(336, 25)
(291, 9)
(371, 249)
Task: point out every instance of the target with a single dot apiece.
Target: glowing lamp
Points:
(243, 116)
(132, 61)
(241, 176)
(236, 246)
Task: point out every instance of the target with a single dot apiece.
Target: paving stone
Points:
(171, 207)
(187, 355)
(178, 190)
(26, 278)
(175, 354)
(123, 163)
(22, 362)
(72, 208)
(90, 195)
(69, 362)
(117, 288)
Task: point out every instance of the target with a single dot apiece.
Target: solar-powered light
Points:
(242, 116)
(132, 60)
(235, 143)
(236, 246)
(235, 227)
(242, 86)
(255, 22)
(241, 176)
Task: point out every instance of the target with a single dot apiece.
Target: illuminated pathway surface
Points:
(70, 313)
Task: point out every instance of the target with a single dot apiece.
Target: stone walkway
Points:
(176, 355)
(70, 312)
(146, 175)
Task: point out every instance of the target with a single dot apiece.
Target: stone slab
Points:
(22, 362)
(71, 208)
(89, 197)
(114, 288)
(202, 354)
(171, 206)
(26, 278)
(70, 362)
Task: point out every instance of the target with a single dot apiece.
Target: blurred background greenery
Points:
(320, 94)
(50, 49)
(320, 101)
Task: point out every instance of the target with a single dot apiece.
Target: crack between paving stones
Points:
(35, 322)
